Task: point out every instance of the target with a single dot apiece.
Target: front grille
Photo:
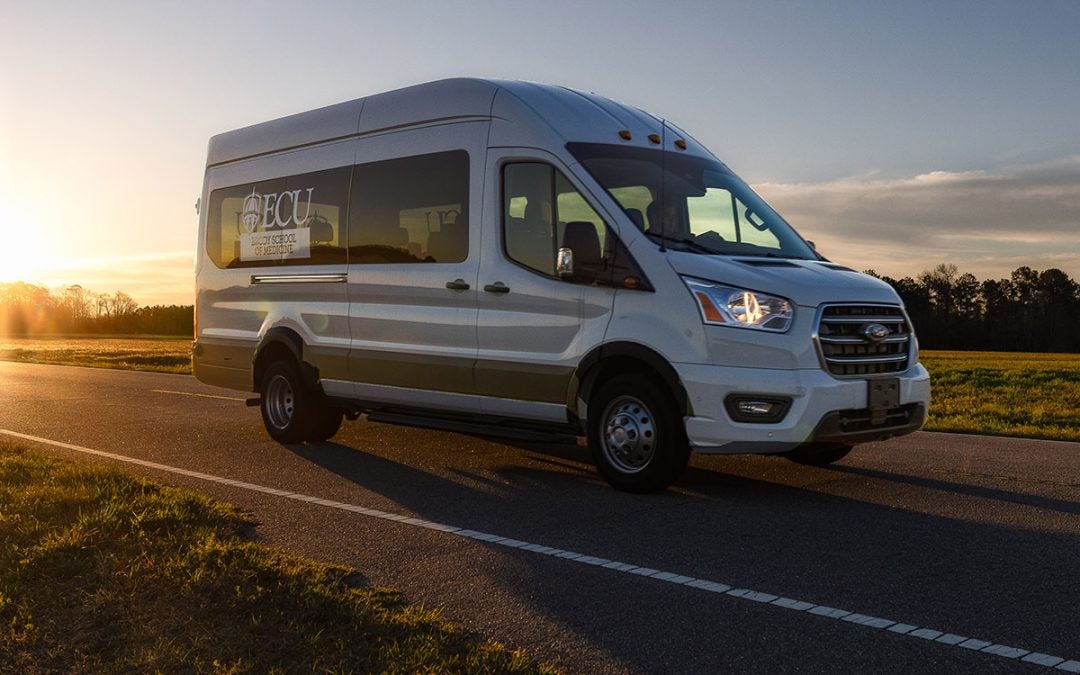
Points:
(845, 349)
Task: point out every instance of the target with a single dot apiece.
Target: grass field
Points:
(1005, 393)
(1000, 393)
(102, 572)
(163, 355)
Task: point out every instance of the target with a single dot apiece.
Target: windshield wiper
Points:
(765, 254)
(689, 243)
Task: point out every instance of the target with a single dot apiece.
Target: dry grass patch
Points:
(162, 355)
(102, 572)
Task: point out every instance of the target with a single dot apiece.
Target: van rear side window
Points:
(283, 221)
(410, 210)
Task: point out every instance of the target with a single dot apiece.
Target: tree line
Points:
(1031, 311)
(30, 309)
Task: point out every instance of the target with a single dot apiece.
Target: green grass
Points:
(102, 572)
(162, 355)
(1000, 393)
(1005, 393)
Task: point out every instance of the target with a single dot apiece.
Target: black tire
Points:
(326, 423)
(289, 410)
(636, 434)
(819, 454)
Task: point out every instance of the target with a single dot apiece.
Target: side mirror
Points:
(564, 263)
(812, 245)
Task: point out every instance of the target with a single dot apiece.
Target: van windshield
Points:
(693, 203)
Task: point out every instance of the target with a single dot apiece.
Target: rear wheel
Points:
(636, 434)
(290, 411)
(819, 454)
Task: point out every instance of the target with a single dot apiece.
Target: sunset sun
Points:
(22, 250)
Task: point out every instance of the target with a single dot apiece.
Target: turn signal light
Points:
(712, 314)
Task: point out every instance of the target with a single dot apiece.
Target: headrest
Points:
(655, 215)
(636, 218)
(580, 236)
(534, 211)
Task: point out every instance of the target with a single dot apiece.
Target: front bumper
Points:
(823, 408)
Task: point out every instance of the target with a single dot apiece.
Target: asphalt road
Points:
(977, 537)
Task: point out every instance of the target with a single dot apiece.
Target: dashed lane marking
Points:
(191, 393)
(864, 620)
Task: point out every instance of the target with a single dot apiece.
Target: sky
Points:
(896, 135)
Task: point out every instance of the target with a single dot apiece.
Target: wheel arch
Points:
(278, 343)
(620, 357)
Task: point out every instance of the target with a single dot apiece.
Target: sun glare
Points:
(22, 250)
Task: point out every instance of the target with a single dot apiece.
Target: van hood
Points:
(805, 282)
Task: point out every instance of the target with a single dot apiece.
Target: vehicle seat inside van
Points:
(451, 242)
(529, 239)
(580, 236)
(322, 232)
(636, 218)
(390, 235)
(655, 215)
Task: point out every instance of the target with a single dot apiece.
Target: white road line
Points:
(872, 622)
(191, 393)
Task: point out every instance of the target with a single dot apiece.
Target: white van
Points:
(515, 259)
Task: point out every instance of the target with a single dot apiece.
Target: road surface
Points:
(932, 553)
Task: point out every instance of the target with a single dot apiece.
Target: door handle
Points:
(457, 285)
(497, 287)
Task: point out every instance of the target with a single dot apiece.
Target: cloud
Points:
(986, 222)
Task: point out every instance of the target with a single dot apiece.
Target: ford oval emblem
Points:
(875, 332)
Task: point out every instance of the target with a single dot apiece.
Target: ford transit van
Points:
(515, 259)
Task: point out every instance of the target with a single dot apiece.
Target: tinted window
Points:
(528, 231)
(571, 207)
(690, 202)
(409, 210)
(543, 212)
(720, 211)
(284, 221)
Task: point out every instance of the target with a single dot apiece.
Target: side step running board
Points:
(473, 428)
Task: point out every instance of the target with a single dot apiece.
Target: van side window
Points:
(283, 221)
(543, 212)
(410, 210)
(528, 216)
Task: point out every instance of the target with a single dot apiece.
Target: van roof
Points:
(526, 113)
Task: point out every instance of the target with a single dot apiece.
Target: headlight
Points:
(727, 306)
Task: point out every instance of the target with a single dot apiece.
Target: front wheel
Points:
(818, 454)
(636, 434)
(326, 423)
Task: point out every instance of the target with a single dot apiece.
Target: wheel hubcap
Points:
(279, 402)
(629, 434)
